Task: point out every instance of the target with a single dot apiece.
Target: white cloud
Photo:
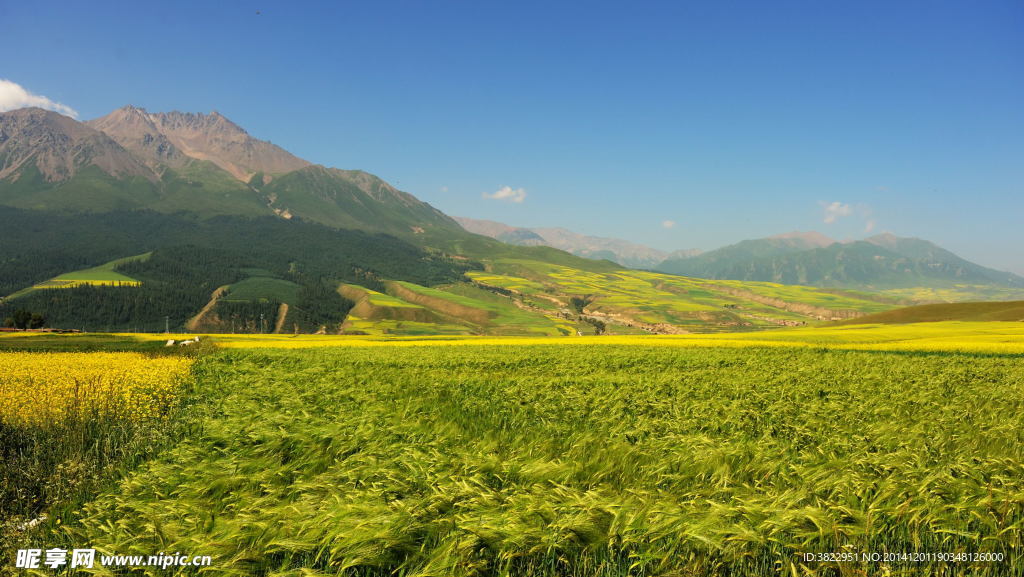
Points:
(13, 96)
(835, 211)
(668, 223)
(832, 212)
(444, 189)
(517, 195)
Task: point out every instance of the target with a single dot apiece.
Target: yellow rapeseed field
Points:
(951, 336)
(40, 388)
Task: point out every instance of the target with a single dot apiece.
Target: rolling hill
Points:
(1008, 311)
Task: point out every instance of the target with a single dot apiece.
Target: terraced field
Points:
(659, 302)
(485, 312)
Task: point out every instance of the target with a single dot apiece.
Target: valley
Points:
(239, 235)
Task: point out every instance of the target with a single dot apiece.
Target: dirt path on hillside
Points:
(282, 314)
(193, 322)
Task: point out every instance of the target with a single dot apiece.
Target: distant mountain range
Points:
(883, 261)
(623, 252)
(879, 262)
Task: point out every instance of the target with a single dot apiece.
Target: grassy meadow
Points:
(693, 455)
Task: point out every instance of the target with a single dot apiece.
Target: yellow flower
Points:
(40, 388)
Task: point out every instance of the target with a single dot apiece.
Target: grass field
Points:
(263, 289)
(103, 275)
(689, 455)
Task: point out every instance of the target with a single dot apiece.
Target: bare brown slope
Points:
(133, 129)
(193, 323)
(282, 315)
(59, 147)
(983, 311)
(166, 136)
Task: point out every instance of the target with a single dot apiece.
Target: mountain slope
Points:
(353, 199)
(44, 145)
(883, 261)
(198, 163)
(616, 250)
(171, 137)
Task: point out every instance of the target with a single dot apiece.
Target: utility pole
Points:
(261, 323)
(167, 324)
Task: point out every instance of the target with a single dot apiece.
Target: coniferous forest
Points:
(190, 258)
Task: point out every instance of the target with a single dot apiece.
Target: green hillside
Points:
(352, 199)
(263, 261)
(90, 190)
(263, 288)
(1012, 311)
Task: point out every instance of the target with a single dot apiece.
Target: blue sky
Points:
(731, 120)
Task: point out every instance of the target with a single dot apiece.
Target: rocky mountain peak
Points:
(810, 238)
(58, 147)
(197, 121)
(172, 138)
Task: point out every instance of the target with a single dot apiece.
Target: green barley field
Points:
(597, 460)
